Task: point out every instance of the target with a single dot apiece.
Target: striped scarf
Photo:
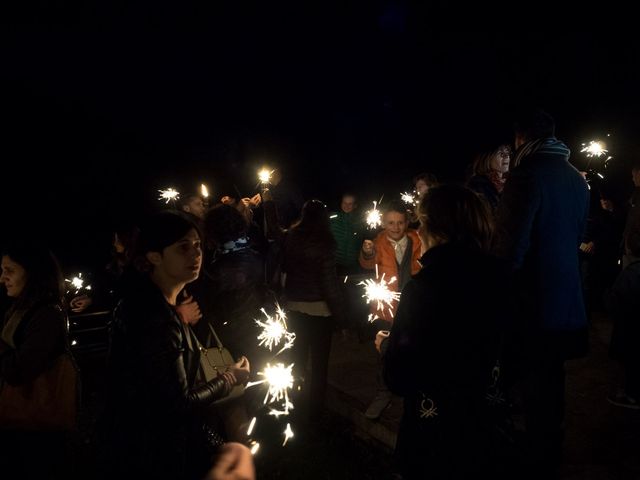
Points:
(543, 146)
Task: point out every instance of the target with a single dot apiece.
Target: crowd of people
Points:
(496, 277)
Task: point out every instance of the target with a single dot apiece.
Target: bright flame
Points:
(204, 190)
(265, 175)
(594, 148)
(251, 425)
(77, 282)
(279, 379)
(169, 195)
(274, 330)
(409, 198)
(255, 448)
(374, 217)
(379, 292)
(288, 433)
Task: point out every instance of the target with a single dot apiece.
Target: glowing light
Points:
(169, 195)
(251, 425)
(77, 282)
(374, 217)
(254, 448)
(204, 190)
(288, 433)
(279, 380)
(264, 176)
(379, 292)
(274, 330)
(594, 148)
(409, 198)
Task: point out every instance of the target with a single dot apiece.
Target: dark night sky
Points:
(119, 99)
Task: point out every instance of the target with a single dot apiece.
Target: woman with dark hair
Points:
(443, 347)
(489, 174)
(312, 294)
(32, 338)
(154, 421)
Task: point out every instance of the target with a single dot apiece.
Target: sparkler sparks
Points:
(409, 198)
(374, 217)
(379, 292)
(264, 176)
(275, 330)
(77, 282)
(169, 195)
(288, 433)
(279, 379)
(594, 148)
(204, 190)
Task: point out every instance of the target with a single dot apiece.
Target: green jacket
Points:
(347, 230)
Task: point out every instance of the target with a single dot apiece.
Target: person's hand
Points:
(234, 462)
(368, 248)
(380, 337)
(241, 370)
(266, 195)
(189, 310)
(227, 200)
(587, 247)
(80, 303)
(255, 201)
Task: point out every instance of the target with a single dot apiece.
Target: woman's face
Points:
(181, 261)
(421, 188)
(14, 276)
(500, 161)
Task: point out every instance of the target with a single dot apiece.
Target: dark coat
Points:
(623, 303)
(482, 185)
(443, 346)
(39, 339)
(540, 224)
(152, 413)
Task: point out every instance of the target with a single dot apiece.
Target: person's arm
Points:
(515, 216)
(43, 338)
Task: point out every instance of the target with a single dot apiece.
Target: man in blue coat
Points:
(540, 222)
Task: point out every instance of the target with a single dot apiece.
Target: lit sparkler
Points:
(288, 433)
(279, 379)
(169, 195)
(379, 292)
(264, 176)
(374, 217)
(594, 148)
(251, 425)
(409, 198)
(77, 282)
(254, 448)
(204, 190)
(275, 330)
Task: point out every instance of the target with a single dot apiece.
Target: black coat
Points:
(152, 414)
(443, 346)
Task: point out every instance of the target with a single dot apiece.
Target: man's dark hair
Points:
(534, 123)
(224, 223)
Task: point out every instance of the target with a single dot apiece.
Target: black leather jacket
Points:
(153, 403)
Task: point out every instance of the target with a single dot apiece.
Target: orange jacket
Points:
(385, 258)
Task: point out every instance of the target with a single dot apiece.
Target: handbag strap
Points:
(215, 337)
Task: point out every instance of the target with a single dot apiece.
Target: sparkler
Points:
(279, 379)
(77, 282)
(594, 148)
(374, 217)
(254, 448)
(169, 195)
(275, 330)
(204, 190)
(288, 433)
(264, 176)
(251, 425)
(379, 292)
(409, 198)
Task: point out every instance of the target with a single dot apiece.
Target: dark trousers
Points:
(313, 336)
(544, 400)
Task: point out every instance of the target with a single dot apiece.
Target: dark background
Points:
(103, 103)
